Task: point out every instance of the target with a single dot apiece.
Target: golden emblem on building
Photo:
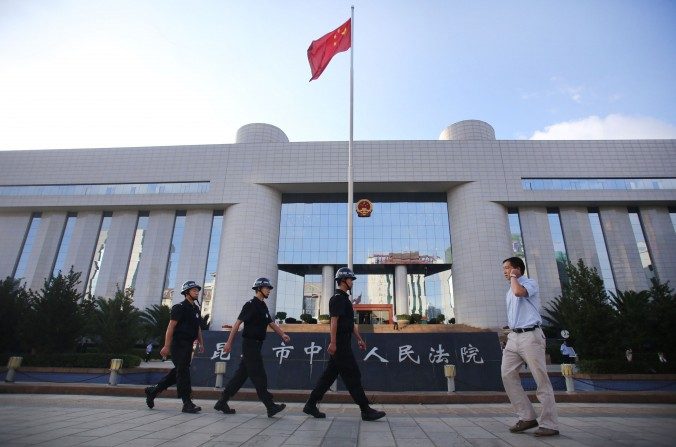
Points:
(364, 208)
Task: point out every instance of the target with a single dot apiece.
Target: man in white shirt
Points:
(526, 344)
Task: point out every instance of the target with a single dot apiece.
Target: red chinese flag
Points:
(322, 50)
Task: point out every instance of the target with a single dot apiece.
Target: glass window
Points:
(209, 284)
(290, 292)
(27, 246)
(137, 249)
(100, 250)
(641, 244)
(559, 244)
(518, 248)
(64, 244)
(394, 227)
(105, 189)
(398, 232)
(602, 250)
(591, 184)
(174, 256)
(672, 215)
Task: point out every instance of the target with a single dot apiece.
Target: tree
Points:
(205, 322)
(14, 306)
(585, 310)
(662, 317)
(633, 310)
(155, 320)
(55, 319)
(116, 323)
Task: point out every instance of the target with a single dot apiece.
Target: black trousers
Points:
(251, 366)
(181, 355)
(342, 364)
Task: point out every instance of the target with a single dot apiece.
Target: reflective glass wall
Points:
(174, 255)
(602, 249)
(27, 246)
(641, 244)
(137, 248)
(64, 245)
(209, 283)
(100, 250)
(518, 249)
(559, 244)
(397, 232)
(315, 233)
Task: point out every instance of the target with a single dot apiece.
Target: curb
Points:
(429, 398)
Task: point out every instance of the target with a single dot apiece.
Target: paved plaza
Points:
(69, 420)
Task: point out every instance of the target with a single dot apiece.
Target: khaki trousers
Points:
(528, 347)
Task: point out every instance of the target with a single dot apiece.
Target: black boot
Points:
(189, 407)
(222, 405)
(312, 410)
(273, 409)
(151, 394)
(371, 415)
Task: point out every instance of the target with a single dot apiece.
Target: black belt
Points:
(520, 330)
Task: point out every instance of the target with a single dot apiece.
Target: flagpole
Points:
(350, 184)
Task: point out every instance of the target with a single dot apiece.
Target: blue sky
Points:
(94, 73)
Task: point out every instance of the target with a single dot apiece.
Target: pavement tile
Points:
(67, 420)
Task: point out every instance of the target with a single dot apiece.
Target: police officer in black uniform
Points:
(342, 361)
(256, 319)
(183, 330)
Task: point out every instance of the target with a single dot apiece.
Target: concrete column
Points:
(401, 290)
(537, 240)
(194, 249)
(622, 250)
(661, 239)
(118, 250)
(579, 237)
(153, 266)
(43, 256)
(481, 240)
(328, 287)
(83, 244)
(13, 228)
(249, 249)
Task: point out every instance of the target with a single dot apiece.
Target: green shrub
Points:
(403, 318)
(415, 318)
(306, 318)
(642, 363)
(325, 317)
(291, 320)
(88, 360)
(280, 315)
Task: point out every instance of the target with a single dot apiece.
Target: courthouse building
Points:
(445, 214)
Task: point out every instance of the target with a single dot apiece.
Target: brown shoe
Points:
(546, 432)
(523, 425)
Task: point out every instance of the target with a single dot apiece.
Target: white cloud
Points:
(612, 127)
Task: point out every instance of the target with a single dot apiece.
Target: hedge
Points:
(74, 360)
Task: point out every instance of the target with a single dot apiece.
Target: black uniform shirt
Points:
(188, 317)
(340, 306)
(256, 317)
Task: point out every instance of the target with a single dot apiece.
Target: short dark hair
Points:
(517, 263)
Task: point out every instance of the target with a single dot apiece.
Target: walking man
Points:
(256, 319)
(183, 330)
(526, 344)
(342, 361)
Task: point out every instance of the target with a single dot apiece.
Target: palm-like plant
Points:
(155, 320)
(116, 322)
